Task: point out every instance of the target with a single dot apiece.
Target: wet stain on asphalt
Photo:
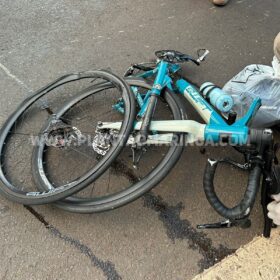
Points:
(120, 168)
(107, 267)
(176, 228)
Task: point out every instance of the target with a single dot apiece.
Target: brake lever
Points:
(189, 58)
(195, 62)
(202, 57)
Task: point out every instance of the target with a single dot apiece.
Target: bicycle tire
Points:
(48, 196)
(82, 205)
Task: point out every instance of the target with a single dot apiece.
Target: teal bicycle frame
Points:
(216, 129)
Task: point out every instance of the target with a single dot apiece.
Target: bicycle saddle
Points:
(172, 56)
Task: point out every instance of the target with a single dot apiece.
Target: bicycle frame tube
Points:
(216, 128)
(162, 79)
(204, 109)
(195, 130)
(162, 74)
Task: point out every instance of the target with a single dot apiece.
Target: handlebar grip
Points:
(241, 209)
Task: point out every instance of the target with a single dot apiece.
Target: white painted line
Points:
(8, 72)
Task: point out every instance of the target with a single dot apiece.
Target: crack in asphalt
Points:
(177, 228)
(107, 267)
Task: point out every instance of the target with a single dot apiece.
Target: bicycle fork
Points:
(155, 92)
(145, 126)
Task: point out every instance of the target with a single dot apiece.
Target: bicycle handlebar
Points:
(243, 208)
(173, 56)
(259, 162)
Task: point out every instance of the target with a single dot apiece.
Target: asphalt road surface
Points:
(154, 237)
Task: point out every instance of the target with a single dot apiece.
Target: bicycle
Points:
(256, 145)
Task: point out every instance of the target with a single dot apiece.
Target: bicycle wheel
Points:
(62, 133)
(121, 183)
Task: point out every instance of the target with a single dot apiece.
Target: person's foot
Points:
(220, 2)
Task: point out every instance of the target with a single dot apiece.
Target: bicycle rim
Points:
(16, 192)
(136, 187)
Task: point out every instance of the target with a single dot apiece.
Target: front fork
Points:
(146, 120)
(155, 92)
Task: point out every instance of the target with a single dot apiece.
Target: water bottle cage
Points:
(203, 88)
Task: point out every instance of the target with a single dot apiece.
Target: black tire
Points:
(121, 198)
(48, 196)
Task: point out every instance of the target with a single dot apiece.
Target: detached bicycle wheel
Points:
(62, 140)
(121, 183)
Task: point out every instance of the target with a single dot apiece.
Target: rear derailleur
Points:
(104, 140)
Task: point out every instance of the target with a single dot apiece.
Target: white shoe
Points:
(220, 2)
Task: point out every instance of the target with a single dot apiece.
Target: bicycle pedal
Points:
(223, 224)
(243, 223)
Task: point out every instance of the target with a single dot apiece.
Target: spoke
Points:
(92, 189)
(80, 153)
(25, 134)
(23, 117)
(108, 185)
(80, 108)
(86, 117)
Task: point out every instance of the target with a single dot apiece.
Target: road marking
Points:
(8, 73)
